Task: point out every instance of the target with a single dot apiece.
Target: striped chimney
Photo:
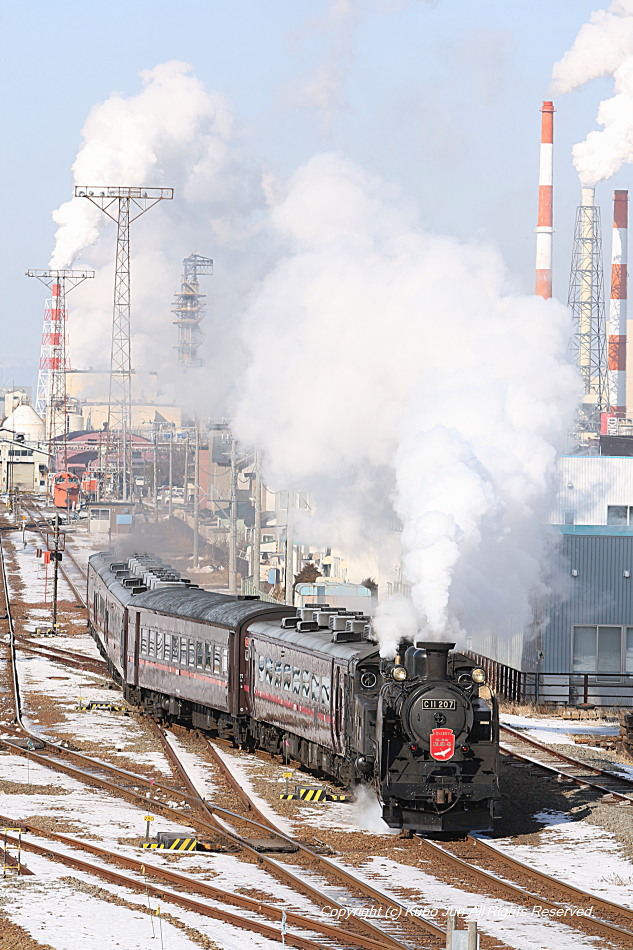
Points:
(545, 227)
(617, 311)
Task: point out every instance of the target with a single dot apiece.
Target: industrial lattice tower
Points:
(189, 308)
(586, 302)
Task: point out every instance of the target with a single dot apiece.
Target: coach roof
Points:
(196, 604)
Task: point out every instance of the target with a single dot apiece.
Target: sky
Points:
(440, 100)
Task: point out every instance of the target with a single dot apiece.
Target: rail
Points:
(609, 690)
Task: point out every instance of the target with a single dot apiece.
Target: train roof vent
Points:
(322, 617)
(346, 636)
(287, 623)
(317, 606)
(134, 585)
(370, 633)
(118, 566)
(338, 621)
(307, 626)
(355, 626)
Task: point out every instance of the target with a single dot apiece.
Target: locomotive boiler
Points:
(421, 727)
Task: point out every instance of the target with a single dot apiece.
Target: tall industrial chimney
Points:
(618, 310)
(545, 228)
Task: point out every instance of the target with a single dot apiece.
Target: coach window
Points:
(216, 658)
(316, 688)
(287, 676)
(306, 684)
(159, 644)
(207, 656)
(199, 655)
(269, 671)
(152, 643)
(167, 647)
(296, 680)
(262, 664)
(225, 660)
(175, 649)
(278, 674)
(325, 691)
(192, 653)
(183, 651)
(144, 641)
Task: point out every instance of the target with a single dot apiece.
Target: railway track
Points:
(385, 906)
(70, 568)
(529, 750)
(70, 658)
(526, 886)
(187, 809)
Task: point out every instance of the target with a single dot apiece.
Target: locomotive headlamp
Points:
(478, 676)
(399, 674)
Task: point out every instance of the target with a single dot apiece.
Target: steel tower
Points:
(189, 308)
(586, 302)
(51, 401)
(123, 205)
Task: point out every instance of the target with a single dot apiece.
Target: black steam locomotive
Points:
(309, 684)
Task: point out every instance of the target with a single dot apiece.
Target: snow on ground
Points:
(524, 930)
(51, 910)
(576, 851)
(36, 576)
(240, 771)
(554, 731)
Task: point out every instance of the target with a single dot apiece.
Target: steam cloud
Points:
(384, 359)
(176, 133)
(603, 47)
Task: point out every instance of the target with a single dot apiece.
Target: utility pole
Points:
(196, 498)
(123, 205)
(155, 473)
(56, 556)
(233, 522)
(289, 592)
(185, 477)
(257, 528)
(170, 510)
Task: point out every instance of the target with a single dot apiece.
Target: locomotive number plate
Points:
(438, 704)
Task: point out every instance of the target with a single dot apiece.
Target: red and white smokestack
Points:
(618, 309)
(545, 228)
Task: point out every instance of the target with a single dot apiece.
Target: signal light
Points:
(413, 748)
(465, 748)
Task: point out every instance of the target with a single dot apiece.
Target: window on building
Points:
(621, 515)
(601, 649)
(569, 517)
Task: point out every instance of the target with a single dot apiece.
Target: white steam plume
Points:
(389, 363)
(603, 47)
(176, 133)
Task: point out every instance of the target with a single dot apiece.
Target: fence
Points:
(558, 689)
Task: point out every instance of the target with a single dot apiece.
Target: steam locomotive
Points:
(423, 727)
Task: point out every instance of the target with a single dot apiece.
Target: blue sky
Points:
(439, 98)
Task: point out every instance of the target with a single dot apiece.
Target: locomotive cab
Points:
(438, 758)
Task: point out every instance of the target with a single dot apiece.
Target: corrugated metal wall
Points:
(588, 484)
(599, 594)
